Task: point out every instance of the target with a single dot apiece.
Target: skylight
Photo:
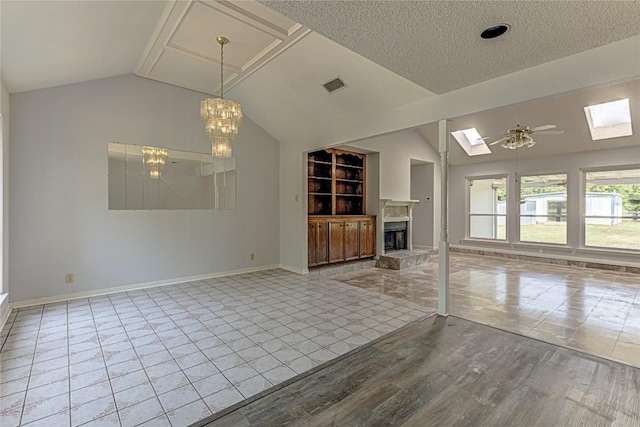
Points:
(471, 142)
(473, 136)
(609, 120)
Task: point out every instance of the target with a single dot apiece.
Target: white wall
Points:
(422, 189)
(293, 207)
(4, 173)
(396, 152)
(58, 189)
(4, 211)
(570, 164)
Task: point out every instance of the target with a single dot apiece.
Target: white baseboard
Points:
(294, 269)
(106, 291)
(4, 315)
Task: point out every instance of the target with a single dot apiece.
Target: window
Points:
(487, 208)
(543, 208)
(612, 209)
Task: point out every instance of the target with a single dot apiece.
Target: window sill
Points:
(533, 245)
(473, 240)
(609, 251)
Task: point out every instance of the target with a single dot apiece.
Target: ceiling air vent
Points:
(335, 84)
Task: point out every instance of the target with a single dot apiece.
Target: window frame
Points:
(566, 215)
(583, 209)
(469, 214)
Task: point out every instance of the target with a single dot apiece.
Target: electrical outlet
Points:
(69, 278)
(252, 256)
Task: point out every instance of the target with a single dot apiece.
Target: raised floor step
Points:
(399, 260)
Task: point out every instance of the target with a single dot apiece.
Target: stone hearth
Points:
(399, 260)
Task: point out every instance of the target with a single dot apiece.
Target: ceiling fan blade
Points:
(550, 132)
(499, 141)
(543, 127)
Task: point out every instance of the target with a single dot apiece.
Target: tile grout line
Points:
(93, 318)
(24, 403)
(137, 358)
(68, 358)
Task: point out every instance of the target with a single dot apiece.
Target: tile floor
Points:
(169, 356)
(591, 310)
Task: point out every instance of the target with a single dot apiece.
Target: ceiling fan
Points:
(520, 136)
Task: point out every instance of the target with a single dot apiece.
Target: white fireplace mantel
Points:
(389, 212)
(387, 216)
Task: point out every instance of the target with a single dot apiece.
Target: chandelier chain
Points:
(221, 70)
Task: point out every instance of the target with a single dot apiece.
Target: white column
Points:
(443, 247)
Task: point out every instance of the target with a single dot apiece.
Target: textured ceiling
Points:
(566, 112)
(436, 44)
(275, 67)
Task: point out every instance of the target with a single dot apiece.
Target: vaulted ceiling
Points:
(406, 63)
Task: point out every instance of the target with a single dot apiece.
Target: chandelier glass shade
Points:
(220, 147)
(221, 117)
(154, 159)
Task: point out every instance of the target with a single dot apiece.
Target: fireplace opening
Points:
(395, 236)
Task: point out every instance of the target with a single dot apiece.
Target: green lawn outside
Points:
(625, 235)
(550, 232)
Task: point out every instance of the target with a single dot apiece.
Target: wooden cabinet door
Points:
(351, 245)
(311, 244)
(322, 243)
(336, 241)
(367, 238)
(318, 247)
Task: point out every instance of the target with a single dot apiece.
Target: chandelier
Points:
(221, 116)
(220, 147)
(154, 159)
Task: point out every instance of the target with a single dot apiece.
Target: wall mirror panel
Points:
(155, 178)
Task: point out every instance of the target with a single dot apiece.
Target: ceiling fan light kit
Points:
(520, 136)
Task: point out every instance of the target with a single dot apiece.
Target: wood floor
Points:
(453, 372)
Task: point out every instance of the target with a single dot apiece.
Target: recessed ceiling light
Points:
(609, 119)
(495, 31)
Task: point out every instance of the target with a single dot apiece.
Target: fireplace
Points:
(395, 236)
(396, 225)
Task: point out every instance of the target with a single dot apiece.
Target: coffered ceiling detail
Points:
(183, 49)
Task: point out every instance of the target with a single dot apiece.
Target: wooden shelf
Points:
(319, 162)
(336, 187)
(348, 166)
